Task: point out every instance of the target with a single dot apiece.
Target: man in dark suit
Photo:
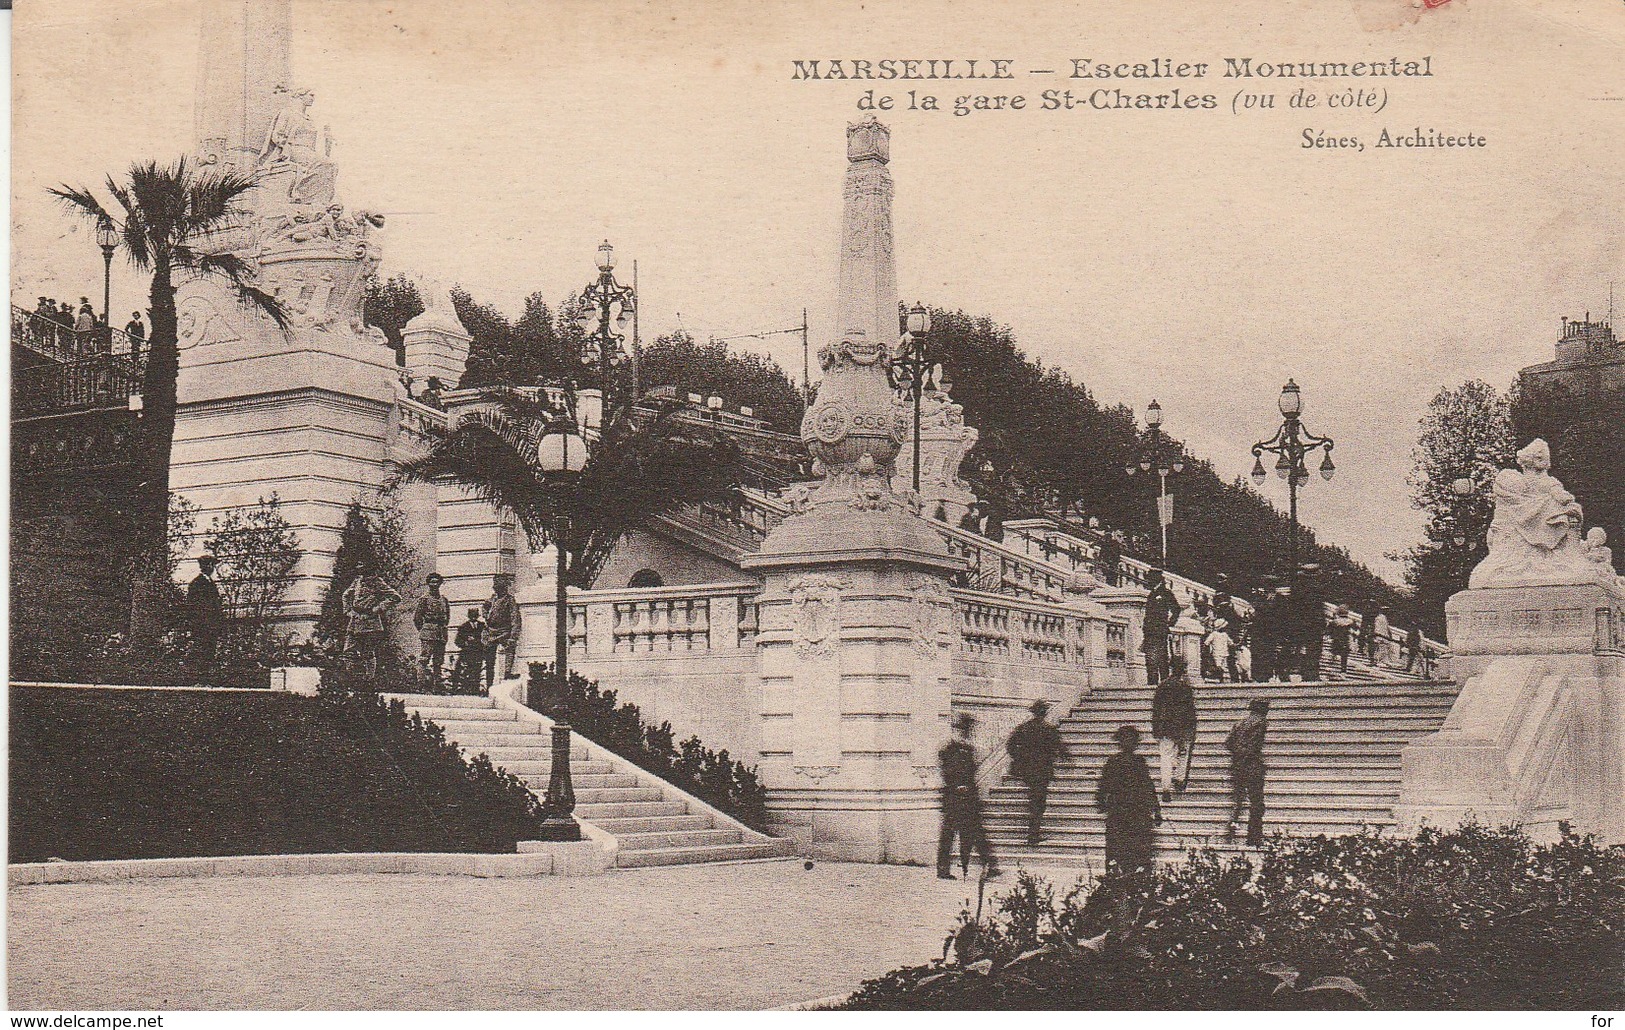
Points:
(205, 613)
(962, 805)
(1034, 748)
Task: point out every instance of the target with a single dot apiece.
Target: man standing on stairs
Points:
(1246, 747)
(1161, 612)
(1034, 748)
(962, 805)
(1310, 622)
(1129, 800)
(1173, 723)
(502, 623)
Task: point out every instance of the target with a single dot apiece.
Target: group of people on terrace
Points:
(79, 331)
(1284, 632)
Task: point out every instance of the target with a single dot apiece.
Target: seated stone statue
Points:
(1534, 537)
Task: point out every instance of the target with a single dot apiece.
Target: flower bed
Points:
(103, 774)
(1468, 919)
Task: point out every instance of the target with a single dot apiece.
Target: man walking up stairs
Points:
(1332, 751)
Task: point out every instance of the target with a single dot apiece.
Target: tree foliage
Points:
(1466, 434)
(389, 305)
(1052, 443)
(1585, 428)
(712, 370)
(639, 467)
(258, 551)
(503, 352)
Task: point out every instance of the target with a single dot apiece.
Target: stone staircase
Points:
(1332, 752)
(653, 823)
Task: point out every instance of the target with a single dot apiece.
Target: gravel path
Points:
(746, 936)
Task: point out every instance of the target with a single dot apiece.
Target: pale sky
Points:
(1197, 257)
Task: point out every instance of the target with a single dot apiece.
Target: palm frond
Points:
(236, 271)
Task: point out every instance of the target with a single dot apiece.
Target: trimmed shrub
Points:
(1473, 918)
(101, 774)
(712, 776)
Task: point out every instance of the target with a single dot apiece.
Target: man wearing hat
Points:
(205, 613)
(1246, 746)
(432, 617)
(962, 805)
(1161, 612)
(1034, 747)
(1129, 799)
(502, 623)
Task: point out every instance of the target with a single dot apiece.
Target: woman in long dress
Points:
(1383, 638)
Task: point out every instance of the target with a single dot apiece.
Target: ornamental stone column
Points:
(856, 620)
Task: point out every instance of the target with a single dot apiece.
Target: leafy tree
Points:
(711, 369)
(355, 557)
(1467, 433)
(168, 220)
(389, 306)
(258, 551)
(1052, 445)
(522, 352)
(372, 541)
(1586, 430)
(638, 468)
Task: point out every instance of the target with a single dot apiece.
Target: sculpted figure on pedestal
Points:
(294, 139)
(1534, 537)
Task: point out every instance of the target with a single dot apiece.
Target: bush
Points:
(101, 774)
(712, 776)
(1473, 918)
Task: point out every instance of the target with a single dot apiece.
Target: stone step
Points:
(617, 795)
(504, 756)
(517, 738)
(1100, 710)
(654, 824)
(1323, 791)
(543, 767)
(444, 715)
(691, 855)
(1326, 777)
(443, 700)
(591, 781)
(630, 809)
(655, 840)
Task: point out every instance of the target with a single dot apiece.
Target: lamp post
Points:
(1156, 455)
(561, 454)
(1291, 444)
(606, 306)
(913, 374)
(107, 239)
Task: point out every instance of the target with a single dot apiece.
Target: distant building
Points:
(1576, 403)
(1590, 361)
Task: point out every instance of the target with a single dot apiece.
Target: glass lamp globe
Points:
(1153, 414)
(919, 320)
(1462, 487)
(561, 450)
(606, 257)
(1259, 475)
(1327, 469)
(106, 234)
(1291, 400)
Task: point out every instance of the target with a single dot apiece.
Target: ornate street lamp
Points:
(1167, 462)
(1291, 444)
(107, 238)
(913, 374)
(1463, 488)
(561, 454)
(606, 306)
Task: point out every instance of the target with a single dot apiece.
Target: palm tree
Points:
(170, 221)
(642, 465)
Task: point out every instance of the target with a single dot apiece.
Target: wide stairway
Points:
(1332, 752)
(651, 821)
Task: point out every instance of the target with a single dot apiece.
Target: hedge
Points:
(1473, 918)
(106, 774)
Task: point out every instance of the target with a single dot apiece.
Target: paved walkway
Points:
(744, 936)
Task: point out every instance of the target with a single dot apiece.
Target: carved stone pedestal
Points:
(855, 647)
(1537, 735)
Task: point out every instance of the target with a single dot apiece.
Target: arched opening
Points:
(646, 578)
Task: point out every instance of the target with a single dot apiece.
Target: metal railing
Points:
(57, 342)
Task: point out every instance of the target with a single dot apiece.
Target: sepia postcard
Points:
(816, 505)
